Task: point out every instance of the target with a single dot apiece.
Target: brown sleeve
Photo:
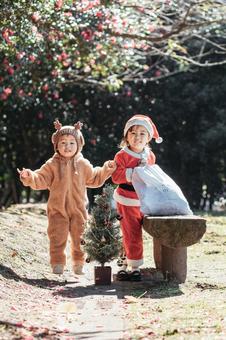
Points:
(96, 176)
(40, 179)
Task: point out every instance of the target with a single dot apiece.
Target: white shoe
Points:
(58, 269)
(78, 269)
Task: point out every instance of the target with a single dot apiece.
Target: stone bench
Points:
(171, 237)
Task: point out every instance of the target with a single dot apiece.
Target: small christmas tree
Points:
(102, 236)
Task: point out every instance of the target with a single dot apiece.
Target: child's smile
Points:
(137, 138)
(67, 146)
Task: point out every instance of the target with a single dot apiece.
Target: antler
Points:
(57, 124)
(78, 125)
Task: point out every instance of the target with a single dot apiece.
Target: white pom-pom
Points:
(159, 140)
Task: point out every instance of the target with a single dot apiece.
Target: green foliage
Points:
(102, 236)
(61, 58)
(47, 44)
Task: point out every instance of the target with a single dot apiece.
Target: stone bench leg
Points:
(172, 261)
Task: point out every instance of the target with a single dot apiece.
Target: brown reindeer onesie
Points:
(67, 180)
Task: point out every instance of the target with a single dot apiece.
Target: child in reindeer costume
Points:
(67, 175)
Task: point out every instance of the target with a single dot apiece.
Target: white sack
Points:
(158, 193)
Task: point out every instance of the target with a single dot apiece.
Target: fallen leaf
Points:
(67, 307)
(130, 299)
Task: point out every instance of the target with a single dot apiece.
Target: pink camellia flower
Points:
(32, 58)
(66, 63)
(92, 62)
(49, 57)
(35, 17)
(40, 115)
(141, 9)
(87, 69)
(21, 93)
(74, 101)
(20, 55)
(68, 14)
(100, 27)
(54, 73)
(64, 55)
(99, 47)
(151, 28)
(158, 73)
(56, 95)
(7, 91)
(5, 62)
(59, 4)
(3, 96)
(113, 40)
(10, 71)
(129, 93)
(10, 32)
(6, 34)
(87, 35)
(99, 14)
(45, 87)
(19, 324)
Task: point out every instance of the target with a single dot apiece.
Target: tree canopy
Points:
(101, 61)
(47, 44)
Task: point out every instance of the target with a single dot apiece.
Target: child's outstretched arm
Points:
(112, 165)
(98, 175)
(25, 176)
(38, 180)
(24, 173)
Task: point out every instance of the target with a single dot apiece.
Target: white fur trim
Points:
(131, 202)
(131, 153)
(135, 263)
(129, 173)
(144, 154)
(141, 122)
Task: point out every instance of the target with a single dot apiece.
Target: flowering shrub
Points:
(47, 44)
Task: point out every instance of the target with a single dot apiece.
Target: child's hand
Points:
(112, 165)
(24, 173)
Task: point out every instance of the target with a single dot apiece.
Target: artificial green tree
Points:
(102, 236)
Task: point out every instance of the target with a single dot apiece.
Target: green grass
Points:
(193, 310)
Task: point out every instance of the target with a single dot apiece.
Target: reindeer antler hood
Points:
(74, 130)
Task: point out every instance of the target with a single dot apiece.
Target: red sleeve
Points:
(125, 164)
(119, 175)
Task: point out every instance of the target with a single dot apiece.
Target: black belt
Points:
(128, 187)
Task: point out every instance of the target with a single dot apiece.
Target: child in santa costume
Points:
(67, 175)
(138, 132)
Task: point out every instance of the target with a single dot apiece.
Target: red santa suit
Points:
(128, 204)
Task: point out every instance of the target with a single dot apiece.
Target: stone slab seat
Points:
(171, 237)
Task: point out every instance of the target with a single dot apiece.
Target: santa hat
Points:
(147, 123)
(68, 130)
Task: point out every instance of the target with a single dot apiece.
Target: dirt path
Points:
(35, 304)
(38, 304)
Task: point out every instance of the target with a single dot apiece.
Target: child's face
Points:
(67, 146)
(137, 138)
